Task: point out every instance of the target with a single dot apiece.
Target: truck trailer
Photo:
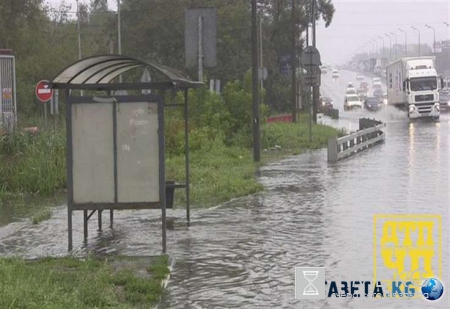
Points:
(412, 84)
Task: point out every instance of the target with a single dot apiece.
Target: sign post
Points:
(44, 93)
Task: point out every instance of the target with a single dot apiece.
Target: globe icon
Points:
(432, 289)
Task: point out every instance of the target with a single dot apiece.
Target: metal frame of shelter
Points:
(98, 73)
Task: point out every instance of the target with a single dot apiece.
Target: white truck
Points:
(412, 84)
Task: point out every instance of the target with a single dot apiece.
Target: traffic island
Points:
(94, 282)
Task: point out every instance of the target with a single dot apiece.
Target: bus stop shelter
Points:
(115, 142)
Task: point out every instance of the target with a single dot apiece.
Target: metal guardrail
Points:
(369, 134)
(331, 112)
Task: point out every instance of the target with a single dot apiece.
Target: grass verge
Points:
(35, 164)
(91, 283)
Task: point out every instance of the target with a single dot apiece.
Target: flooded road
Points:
(311, 213)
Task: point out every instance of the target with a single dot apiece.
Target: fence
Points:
(8, 106)
(369, 133)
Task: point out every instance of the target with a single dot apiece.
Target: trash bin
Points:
(170, 190)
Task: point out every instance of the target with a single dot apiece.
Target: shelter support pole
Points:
(69, 169)
(85, 224)
(186, 145)
(99, 220)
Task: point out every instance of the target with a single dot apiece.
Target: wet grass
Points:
(34, 165)
(43, 214)
(73, 283)
(221, 173)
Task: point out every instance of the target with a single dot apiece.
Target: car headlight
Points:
(412, 108)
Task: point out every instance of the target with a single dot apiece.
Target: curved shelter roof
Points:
(102, 69)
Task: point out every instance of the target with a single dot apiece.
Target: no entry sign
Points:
(44, 92)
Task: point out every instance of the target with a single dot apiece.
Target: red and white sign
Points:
(44, 92)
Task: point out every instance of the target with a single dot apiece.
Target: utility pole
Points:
(434, 36)
(256, 134)
(79, 35)
(78, 29)
(418, 31)
(406, 42)
(119, 35)
(294, 66)
(261, 50)
(383, 53)
(316, 89)
(200, 49)
(390, 46)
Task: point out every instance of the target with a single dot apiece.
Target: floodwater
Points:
(312, 213)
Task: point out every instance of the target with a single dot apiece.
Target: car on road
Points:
(352, 101)
(444, 100)
(359, 77)
(377, 86)
(351, 90)
(364, 85)
(373, 103)
(376, 80)
(325, 103)
(350, 85)
(362, 93)
(379, 93)
(323, 69)
(335, 74)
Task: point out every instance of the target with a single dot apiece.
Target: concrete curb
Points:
(165, 281)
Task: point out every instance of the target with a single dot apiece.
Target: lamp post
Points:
(382, 52)
(119, 35)
(434, 36)
(396, 44)
(418, 31)
(390, 46)
(406, 41)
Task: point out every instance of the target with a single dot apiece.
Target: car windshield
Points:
(423, 83)
(351, 91)
(352, 99)
(373, 100)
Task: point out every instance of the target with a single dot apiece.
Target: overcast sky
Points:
(358, 21)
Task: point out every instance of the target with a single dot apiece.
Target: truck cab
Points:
(421, 87)
(413, 84)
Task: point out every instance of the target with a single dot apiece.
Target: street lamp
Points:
(396, 43)
(406, 42)
(390, 46)
(383, 53)
(447, 24)
(418, 31)
(434, 36)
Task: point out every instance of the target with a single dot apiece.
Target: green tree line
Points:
(44, 39)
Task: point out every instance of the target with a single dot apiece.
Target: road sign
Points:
(262, 73)
(312, 80)
(44, 92)
(146, 78)
(310, 57)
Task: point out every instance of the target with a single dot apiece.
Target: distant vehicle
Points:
(326, 103)
(335, 74)
(378, 93)
(377, 86)
(383, 74)
(352, 101)
(323, 69)
(351, 90)
(378, 69)
(444, 100)
(362, 93)
(364, 85)
(350, 85)
(359, 77)
(416, 88)
(372, 103)
(385, 99)
(376, 80)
